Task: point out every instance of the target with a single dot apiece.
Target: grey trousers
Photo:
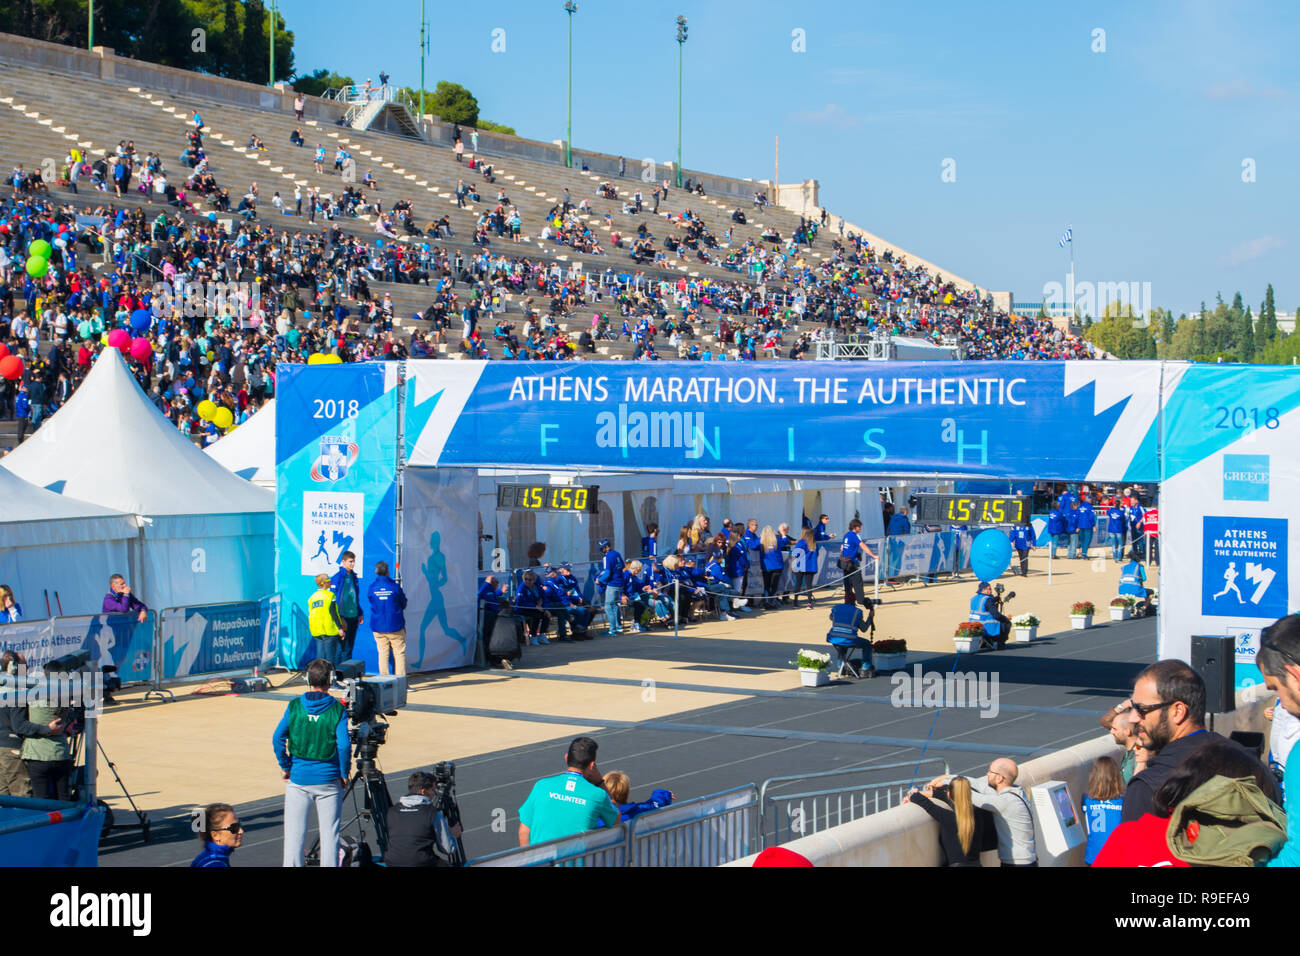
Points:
(14, 779)
(328, 798)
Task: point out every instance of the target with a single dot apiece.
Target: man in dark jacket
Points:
(413, 825)
(14, 726)
(1168, 713)
(347, 592)
(387, 620)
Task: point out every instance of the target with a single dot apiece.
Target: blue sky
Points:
(1139, 148)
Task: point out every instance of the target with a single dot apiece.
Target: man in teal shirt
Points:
(1279, 661)
(568, 803)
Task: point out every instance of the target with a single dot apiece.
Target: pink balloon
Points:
(141, 349)
(120, 339)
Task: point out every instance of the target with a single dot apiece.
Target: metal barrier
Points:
(707, 831)
(818, 810)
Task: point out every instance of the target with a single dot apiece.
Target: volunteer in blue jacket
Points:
(650, 543)
(1071, 515)
(490, 595)
(1056, 529)
(773, 563)
(1087, 521)
(803, 564)
(997, 629)
(221, 834)
(1133, 513)
(1022, 539)
(822, 531)
(580, 613)
(388, 620)
(846, 623)
(611, 579)
(752, 544)
(719, 585)
(347, 592)
(1115, 525)
(556, 601)
(639, 592)
(737, 564)
(312, 747)
(529, 604)
(851, 552)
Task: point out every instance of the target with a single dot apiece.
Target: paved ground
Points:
(715, 709)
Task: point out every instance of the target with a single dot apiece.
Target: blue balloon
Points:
(990, 554)
(141, 319)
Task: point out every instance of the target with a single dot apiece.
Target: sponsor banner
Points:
(120, 640)
(336, 485)
(994, 419)
(206, 640)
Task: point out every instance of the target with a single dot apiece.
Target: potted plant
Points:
(889, 655)
(1025, 627)
(1121, 609)
(1081, 613)
(812, 668)
(968, 636)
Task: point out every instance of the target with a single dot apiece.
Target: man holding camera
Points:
(413, 824)
(986, 608)
(312, 747)
(14, 729)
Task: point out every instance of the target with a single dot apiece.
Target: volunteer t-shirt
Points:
(565, 805)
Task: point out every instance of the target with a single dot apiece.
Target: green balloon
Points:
(37, 267)
(40, 248)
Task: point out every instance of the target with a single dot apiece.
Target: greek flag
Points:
(1068, 237)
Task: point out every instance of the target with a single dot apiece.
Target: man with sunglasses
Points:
(1279, 661)
(220, 832)
(1168, 714)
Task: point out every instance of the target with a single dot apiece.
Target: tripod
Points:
(373, 794)
(143, 825)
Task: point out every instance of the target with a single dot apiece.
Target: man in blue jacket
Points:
(555, 600)
(1071, 515)
(579, 611)
(347, 593)
(1087, 521)
(611, 579)
(387, 620)
(1022, 539)
(846, 623)
(1115, 524)
(1056, 530)
(312, 747)
(737, 566)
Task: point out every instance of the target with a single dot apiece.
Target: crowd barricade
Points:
(707, 831)
(178, 644)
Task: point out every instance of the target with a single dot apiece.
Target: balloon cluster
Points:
(219, 415)
(324, 358)
(38, 258)
(11, 366)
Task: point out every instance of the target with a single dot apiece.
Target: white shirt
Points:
(1283, 734)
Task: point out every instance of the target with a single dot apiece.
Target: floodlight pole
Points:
(271, 81)
(570, 8)
(681, 42)
(422, 44)
(90, 43)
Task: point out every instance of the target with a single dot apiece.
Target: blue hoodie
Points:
(306, 772)
(626, 811)
(387, 602)
(213, 854)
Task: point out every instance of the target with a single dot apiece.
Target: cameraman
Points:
(413, 824)
(14, 728)
(987, 610)
(314, 752)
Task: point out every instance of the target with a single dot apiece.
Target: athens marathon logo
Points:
(336, 454)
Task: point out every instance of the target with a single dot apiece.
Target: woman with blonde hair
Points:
(700, 530)
(773, 561)
(961, 829)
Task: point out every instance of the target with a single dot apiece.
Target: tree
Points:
(452, 103)
(253, 44)
(317, 82)
(491, 127)
(1266, 328)
(1246, 338)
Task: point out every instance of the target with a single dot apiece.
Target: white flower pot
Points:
(1025, 634)
(1080, 622)
(1120, 613)
(889, 662)
(965, 645)
(814, 676)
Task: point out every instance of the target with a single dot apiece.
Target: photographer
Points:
(15, 728)
(986, 609)
(413, 825)
(312, 747)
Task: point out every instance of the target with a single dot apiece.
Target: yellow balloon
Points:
(223, 418)
(103, 339)
(316, 358)
(76, 155)
(332, 360)
(207, 409)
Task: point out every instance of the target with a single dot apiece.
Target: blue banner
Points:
(1042, 420)
(336, 485)
(120, 640)
(205, 640)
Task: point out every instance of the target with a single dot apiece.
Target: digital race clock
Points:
(570, 498)
(972, 509)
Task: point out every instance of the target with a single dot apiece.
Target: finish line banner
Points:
(1044, 420)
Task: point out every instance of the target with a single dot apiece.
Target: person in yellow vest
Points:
(323, 620)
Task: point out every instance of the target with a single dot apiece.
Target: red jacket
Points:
(1140, 842)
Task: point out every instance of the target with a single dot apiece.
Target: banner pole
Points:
(884, 550)
(677, 604)
(1049, 566)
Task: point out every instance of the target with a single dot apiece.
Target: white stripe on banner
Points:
(456, 380)
(1138, 382)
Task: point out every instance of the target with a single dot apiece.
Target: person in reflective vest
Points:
(323, 620)
(1132, 582)
(1056, 529)
(847, 622)
(996, 627)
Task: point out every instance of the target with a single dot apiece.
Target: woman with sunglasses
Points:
(221, 834)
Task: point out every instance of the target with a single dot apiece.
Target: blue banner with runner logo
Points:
(120, 640)
(205, 640)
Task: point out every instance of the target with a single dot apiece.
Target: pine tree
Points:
(1246, 337)
(253, 43)
(1266, 329)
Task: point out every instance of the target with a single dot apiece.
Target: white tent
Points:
(249, 450)
(209, 535)
(52, 543)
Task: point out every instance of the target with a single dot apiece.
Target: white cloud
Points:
(832, 114)
(1240, 89)
(1250, 250)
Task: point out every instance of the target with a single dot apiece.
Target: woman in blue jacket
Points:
(221, 834)
(773, 561)
(10, 610)
(719, 584)
(636, 585)
(803, 562)
(528, 605)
